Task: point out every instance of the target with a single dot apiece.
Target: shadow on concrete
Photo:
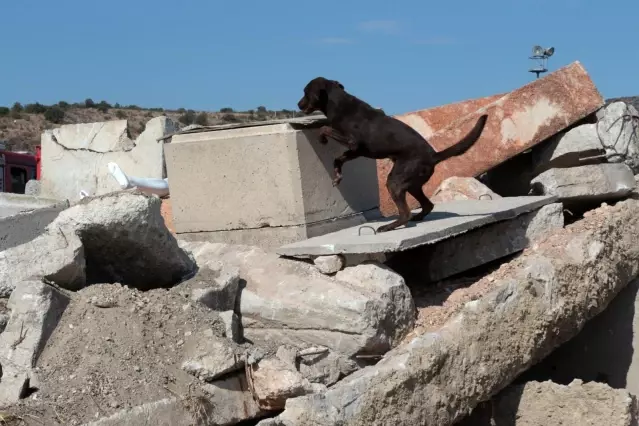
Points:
(358, 187)
(602, 352)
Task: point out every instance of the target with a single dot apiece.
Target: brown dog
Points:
(369, 132)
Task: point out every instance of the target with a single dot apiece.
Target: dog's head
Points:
(316, 94)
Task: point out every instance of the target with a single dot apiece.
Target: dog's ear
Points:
(340, 85)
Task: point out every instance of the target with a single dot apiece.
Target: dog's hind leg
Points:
(427, 205)
(397, 187)
(339, 162)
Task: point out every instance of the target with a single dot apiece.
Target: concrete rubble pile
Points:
(109, 318)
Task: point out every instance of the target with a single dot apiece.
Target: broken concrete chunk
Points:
(516, 122)
(329, 264)
(618, 130)
(367, 308)
(165, 412)
(567, 149)
(75, 156)
(540, 301)
(483, 245)
(596, 182)
(125, 240)
(35, 308)
(56, 255)
(231, 401)
(215, 287)
(548, 403)
(208, 357)
(326, 368)
(273, 380)
(462, 188)
(32, 187)
(232, 326)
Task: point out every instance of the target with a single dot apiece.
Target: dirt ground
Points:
(115, 348)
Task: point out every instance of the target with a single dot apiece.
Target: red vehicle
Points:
(16, 169)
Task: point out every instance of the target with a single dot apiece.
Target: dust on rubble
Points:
(438, 303)
(115, 347)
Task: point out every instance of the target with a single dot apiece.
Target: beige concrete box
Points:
(265, 184)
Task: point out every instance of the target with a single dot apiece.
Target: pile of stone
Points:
(110, 320)
(591, 162)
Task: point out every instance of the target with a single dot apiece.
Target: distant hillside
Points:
(21, 126)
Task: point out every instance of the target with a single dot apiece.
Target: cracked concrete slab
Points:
(445, 221)
(75, 156)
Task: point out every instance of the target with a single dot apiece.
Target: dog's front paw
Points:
(337, 180)
(323, 139)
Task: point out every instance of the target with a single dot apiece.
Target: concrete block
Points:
(492, 242)
(273, 176)
(270, 238)
(12, 204)
(456, 188)
(595, 182)
(618, 130)
(428, 121)
(24, 227)
(165, 412)
(547, 403)
(75, 156)
(516, 122)
(35, 310)
(567, 149)
(539, 301)
(605, 350)
(445, 221)
(329, 264)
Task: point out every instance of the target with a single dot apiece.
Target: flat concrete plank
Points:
(445, 221)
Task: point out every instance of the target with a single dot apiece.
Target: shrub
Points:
(103, 106)
(4, 111)
(117, 105)
(55, 114)
(187, 118)
(202, 119)
(63, 105)
(226, 110)
(36, 108)
(261, 109)
(88, 103)
(181, 110)
(17, 107)
(133, 107)
(230, 118)
(120, 114)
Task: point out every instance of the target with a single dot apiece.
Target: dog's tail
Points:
(463, 145)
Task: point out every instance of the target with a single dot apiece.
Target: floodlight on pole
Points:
(541, 55)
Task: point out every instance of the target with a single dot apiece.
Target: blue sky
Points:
(400, 56)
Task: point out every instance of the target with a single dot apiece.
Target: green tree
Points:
(202, 119)
(88, 103)
(103, 106)
(230, 118)
(17, 107)
(36, 108)
(187, 118)
(54, 114)
(63, 105)
(226, 110)
(261, 109)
